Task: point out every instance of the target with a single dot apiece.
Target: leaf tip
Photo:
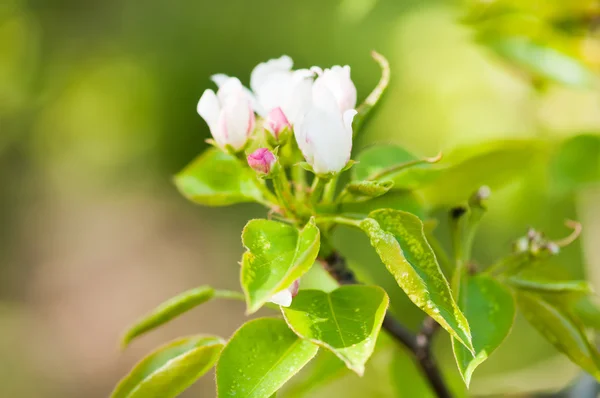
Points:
(124, 343)
(359, 370)
(435, 158)
(251, 308)
(467, 378)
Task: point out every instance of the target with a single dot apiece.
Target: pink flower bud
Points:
(262, 160)
(276, 122)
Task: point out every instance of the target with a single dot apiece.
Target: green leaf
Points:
(170, 369)
(323, 369)
(369, 189)
(216, 178)
(346, 321)
(260, 358)
(549, 286)
(561, 328)
(364, 110)
(397, 200)
(541, 60)
(168, 310)
(277, 254)
(379, 158)
(588, 311)
(466, 169)
(374, 159)
(457, 175)
(400, 242)
(576, 163)
(490, 309)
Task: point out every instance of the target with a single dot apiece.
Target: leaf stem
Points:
(229, 294)
(339, 220)
(419, 345)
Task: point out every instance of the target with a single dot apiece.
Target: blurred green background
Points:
(97, 112)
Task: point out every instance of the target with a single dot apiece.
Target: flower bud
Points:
(324, 135)
(276, 123)
(285, 296)
(521, 245)
(262, 161)
(338, 81)
(552, 248)
(228, 113)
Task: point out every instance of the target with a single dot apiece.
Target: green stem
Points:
(457, 233)
(330, 188)
(317, 189)
(282, 188)
(339, 220)
(271, 200)
(477, 209)
(299, 178)
(229, 294)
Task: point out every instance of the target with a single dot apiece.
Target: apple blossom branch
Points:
(419, 344)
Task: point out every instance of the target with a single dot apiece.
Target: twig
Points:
(419, 345)
(425, 357)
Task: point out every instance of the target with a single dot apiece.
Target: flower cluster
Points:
(316, 105)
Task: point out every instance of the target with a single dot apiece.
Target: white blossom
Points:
(228, 113)
(324, 134)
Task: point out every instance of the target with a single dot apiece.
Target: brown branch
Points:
(419, 344)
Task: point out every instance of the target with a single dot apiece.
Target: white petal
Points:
(274, 92)
(323, 98)
(324, 134)
(229, 88)
(316, 70)
(219, 79)
(338, 81)
(239, 120)
(209, 108)
(348, 118)
(219, 132)
(264, 70)
(324, 140)
(299, 98)
(283, 298)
